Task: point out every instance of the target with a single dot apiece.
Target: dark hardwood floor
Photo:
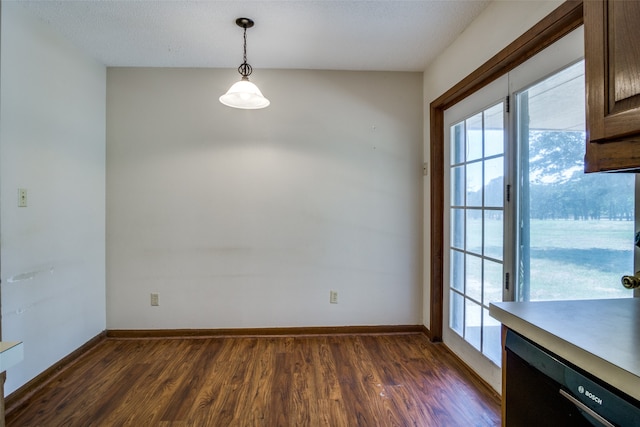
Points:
(342, 380)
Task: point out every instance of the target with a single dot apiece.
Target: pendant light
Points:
(244, 94)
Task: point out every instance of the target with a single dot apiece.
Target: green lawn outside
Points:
(580, 259)
(571, 259)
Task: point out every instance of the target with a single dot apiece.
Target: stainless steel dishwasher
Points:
(544, 390)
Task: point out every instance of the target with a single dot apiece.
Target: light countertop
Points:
(11, 353)
(600, 336)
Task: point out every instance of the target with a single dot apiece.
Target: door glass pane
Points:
(474, 184)
(494, 182)
(492, 281)
(474, 137)
(493, 232)
(457, 188)
(494, 131)
(474, 231)
(457, 270)
(577, 229)
(472, 323)
(457, 228)
(491, 337)
(456, 312)
(457, 144)
(473, 277)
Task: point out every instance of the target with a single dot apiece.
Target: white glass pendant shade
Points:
(244, 94)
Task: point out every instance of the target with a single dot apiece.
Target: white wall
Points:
(497, 26)
(52, 142)
(249, 218)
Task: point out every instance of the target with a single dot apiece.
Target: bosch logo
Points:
(590, 395)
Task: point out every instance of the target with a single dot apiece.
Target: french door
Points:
(476, 132)
(522, 221)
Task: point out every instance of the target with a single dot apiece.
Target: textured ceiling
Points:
(301, 34)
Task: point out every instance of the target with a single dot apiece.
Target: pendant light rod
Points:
(245, 69)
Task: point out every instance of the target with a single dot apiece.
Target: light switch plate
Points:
(333, 297)
(22, 197)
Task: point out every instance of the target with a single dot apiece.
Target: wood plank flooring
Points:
(342, 380)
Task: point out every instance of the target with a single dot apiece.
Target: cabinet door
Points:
(612, 57)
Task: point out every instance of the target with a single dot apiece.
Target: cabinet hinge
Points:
(507, 104)
(506, 281)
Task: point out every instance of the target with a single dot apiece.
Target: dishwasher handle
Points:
(593, 414)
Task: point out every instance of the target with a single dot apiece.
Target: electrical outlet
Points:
(154, 300)
(333, 297)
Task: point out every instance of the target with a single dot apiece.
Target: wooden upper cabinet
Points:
(612, 72)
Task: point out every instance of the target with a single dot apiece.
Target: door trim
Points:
(564, 19)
